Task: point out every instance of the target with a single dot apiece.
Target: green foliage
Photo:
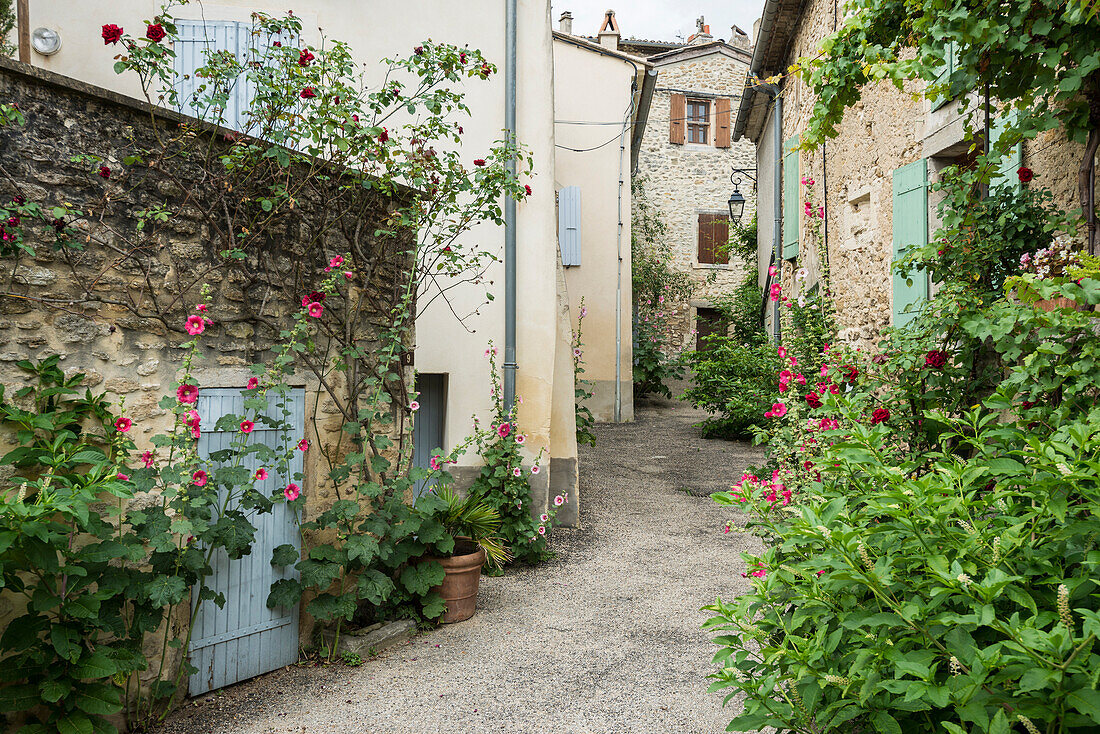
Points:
(742, 309)
(463, 517)
(658, 289)
(743, 242)
(505, 485)
(581, 392)
(733, 381)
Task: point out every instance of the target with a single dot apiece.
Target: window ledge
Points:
(712, 266)
(700, 148)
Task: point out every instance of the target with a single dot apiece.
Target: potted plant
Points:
(472, 539)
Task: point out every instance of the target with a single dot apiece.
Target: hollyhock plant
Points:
(516, 472)
(315, 310)
(414, 406)
(260, 475)
(147, 459)
(122, 425)
(187, 393)
(504, 430)
(247, 426)
(252, 384)
(291, 492)
(303, 445)
(199, 478)
(195, 325)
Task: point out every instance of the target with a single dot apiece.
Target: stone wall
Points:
(886, 129)
(685, 180)
(112, 301)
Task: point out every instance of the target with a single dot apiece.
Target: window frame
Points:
(694, 123)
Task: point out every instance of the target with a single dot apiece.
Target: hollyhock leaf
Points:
(166, 590)
(419, 579)
(284, 593)
(434, 606)
(330, 606)
(374, 586)
(285, 555)
(362, 548)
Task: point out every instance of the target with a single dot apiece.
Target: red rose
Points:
(479, 162)
(308, 93)
(527, 189)
(155, 32)
(111, 34)
(813, 399)
(419, 50)
(935, 359)
(881, 415)
(304, 57)
(104, 172)
(853, 373)
(1025, 174)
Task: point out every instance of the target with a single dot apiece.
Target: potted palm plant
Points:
(472, 539)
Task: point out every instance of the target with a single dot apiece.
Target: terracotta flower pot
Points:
(1052, 303)
(459, 587)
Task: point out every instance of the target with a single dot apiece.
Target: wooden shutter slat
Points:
(721, 239)
(790, 198)
(677, 113)
(910, 225)
(722, 118)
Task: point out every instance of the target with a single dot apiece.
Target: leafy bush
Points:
(735, 382)
(581, 392)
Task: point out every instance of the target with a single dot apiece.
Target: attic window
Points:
(698, 121)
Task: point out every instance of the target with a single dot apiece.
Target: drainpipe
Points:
(619, 265)
(510, 365)
(772, 90)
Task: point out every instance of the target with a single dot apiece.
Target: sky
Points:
(662, 20)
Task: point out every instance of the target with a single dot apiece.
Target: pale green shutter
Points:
(910, 230)
(790, 198)
(1007, 165)
(950, 57)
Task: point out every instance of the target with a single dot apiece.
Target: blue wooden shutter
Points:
(197, 40)
(569, 225)
(1010, 161)
(910, 230)
(790, 198)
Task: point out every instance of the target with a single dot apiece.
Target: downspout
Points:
(619, 271)
(510, 364)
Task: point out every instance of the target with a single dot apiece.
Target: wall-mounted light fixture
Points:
(46, 41)
(737, 199)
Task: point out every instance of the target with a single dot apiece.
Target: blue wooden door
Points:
(245, 638)
(428, 425)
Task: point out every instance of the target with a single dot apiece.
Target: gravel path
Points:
(604, 638)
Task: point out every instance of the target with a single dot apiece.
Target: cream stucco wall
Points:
(374, 31)
(590, 87)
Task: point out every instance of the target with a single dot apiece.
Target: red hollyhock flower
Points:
(308, 93)
(304, 57)
(813, 399)
(881, 415)
(935, 359)
(1025, 174)
(155, 32)
(111, 34)
(104, 172)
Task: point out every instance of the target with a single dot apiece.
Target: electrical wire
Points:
(586, 150)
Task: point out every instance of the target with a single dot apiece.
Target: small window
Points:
(714, 236)
(698, 121)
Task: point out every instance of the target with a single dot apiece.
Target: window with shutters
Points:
(791, 204)
(698, 121)
(714, 235)
(569, 225)
(910, 215)
(943, 76)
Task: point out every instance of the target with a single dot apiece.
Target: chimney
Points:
(739, 38)
(609, 31)
(702, 33)
(565, 23)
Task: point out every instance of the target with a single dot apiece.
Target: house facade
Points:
(874, 179)
(685, 164)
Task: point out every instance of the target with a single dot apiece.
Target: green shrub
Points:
(735, 382)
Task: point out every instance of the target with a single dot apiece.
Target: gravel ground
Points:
(604, 638)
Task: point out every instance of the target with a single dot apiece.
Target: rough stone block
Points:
(374, 639)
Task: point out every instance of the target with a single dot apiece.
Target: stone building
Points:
(874, 179)
(113, 303)
(686, 160)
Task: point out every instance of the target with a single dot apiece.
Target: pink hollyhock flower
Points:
(824, 370)
(147, 458)
(783, 387)
(252, 384)
(782, 352)
(316, 309)
(348, 274)
(191, 419)
(336, 261)
(779, 409)
(504, 430)
(785, 376)
(809, 209)
(559, 500)
(414, 406)
(542, 530)
(834, 389)
(772, 270)
(935, 358)
(122, 425)
(122, 477)
(807, 181)
(260, 475)
(187, 393)
(303, 445)
(195, 325)
(155, 32)
(535, 469)
(544, 518)
(577, 352)
(775, 291)
(584, 312)
(199, 478)
(247, 426)
(435, 464)
(111, 34)
(201, 307)
(821, 212)
(520, 438)
(800, 379)
(793, 361)
(517, 472)
(291, 492)
(813, 399)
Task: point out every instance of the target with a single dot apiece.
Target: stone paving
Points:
(603, 638)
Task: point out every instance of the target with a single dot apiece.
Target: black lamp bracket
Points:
(737, 173)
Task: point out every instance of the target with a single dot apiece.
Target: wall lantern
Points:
(736, 201)
(46, 41)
